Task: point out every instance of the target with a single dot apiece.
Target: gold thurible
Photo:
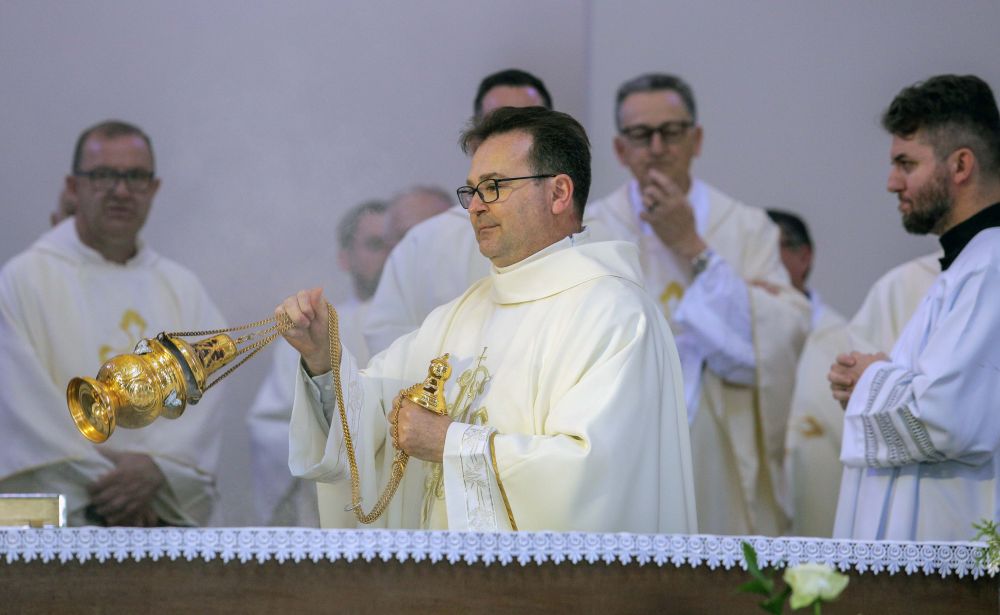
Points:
(160, 378)
(165, 373)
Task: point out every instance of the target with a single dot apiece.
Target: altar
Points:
(293, 570)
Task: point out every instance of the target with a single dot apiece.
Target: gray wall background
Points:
(271, 118)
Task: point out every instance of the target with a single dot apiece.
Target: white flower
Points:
(812, 582)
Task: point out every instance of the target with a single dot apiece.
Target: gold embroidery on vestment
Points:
(471, 385)
(670, 297)
(134, 327)
(810, 427)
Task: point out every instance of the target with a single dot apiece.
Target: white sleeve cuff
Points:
(472, 491)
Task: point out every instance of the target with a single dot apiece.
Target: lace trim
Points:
(507, 548)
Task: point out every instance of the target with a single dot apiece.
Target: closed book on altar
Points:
(32, 510)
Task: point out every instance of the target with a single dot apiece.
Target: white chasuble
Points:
(921, 430)
(567, 399)
(738, 346)
(815, 428)
(64, 310)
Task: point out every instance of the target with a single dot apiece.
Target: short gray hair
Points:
(655, 82)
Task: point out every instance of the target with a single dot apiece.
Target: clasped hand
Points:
(846, 371)
(124, 495)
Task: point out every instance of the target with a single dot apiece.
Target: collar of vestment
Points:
(63, 241)
(955, 240)
(569, 262)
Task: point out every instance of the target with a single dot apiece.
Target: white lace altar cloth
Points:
(523, 548)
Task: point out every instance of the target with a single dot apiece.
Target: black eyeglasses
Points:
(670, 132)
(489, 189)
(104, 179)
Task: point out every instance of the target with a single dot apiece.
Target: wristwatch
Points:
(700, 262)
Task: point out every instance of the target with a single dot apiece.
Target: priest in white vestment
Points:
(565, 408)
(921, 430)
(442, 244)
(85, 291)
(738, 343)
(815, 427)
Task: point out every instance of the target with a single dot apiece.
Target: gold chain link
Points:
(283, 326)
(399, 460)
(269, 334)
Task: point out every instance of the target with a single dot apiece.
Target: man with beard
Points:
(921, 428)
(738, 342)
(86, 290)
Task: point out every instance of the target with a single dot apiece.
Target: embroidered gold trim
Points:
(503, 492)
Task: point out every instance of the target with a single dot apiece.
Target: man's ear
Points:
(71, 184)
(154, 188)
(562, 194)
(698, 135)
(619, 143)
(961, 165)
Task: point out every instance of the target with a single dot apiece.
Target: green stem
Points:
(817, 607)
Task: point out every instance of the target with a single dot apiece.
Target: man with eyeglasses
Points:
(738, 343)
(86, 290)
(442, 243)
(565, 407)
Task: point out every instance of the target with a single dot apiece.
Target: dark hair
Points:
(795, 230)
(954, 111)
(109, 129)
(559, 143)
(349, 223)
(514, 78)
(655, 82)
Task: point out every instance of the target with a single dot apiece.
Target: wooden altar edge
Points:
(166, 570)
(179, 585)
